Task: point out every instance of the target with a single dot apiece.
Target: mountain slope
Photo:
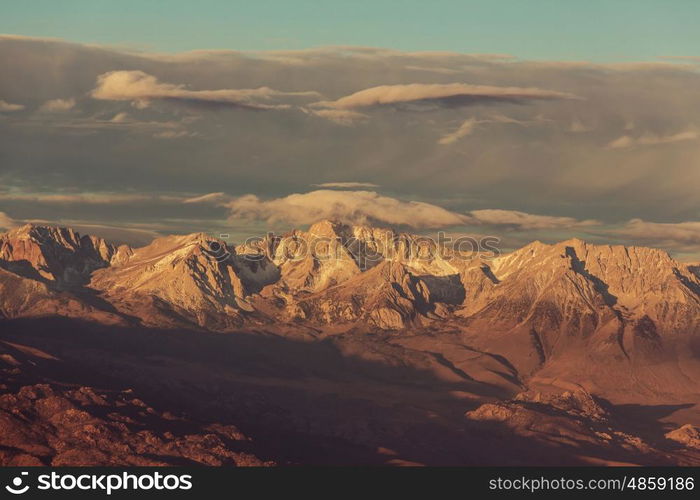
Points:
(599, 313)
(43, 271)
(193, 278)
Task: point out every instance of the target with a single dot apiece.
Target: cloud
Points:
(57, 105)
(6, 107)
(434, 69)
(668, 234)
(469, 125)
(525, 221)
(7, 222)
(359, 54)
(440, 95)
(87, 199)
(465, 129)
(174, 134)
(356, 207)
(214, 198)
(621, 142)
(499, 118)
(120, 118)
(121, 121)
(360, 207)
(577, 126)
(346, 185)
(343, 117)
(649, 139)
(141, 88)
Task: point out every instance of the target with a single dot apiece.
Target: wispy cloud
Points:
(649, 139)
(469, 126)
(370, 207)
(356, 207)
(7, 222)
(174, 134)
(343, 117)
(450, 95)
(668, 234)
(121, 118)
(214, 198)
(87, 199)
(57, 105)
(577, 126)
(141, 88)
(6, 107)
(525, 221)
(347, 185)
(168, 129)
(465, 129)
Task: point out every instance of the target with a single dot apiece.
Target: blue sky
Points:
(596, 30)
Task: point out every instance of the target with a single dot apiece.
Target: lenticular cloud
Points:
(141, 88)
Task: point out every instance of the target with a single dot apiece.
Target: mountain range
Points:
(344, 344)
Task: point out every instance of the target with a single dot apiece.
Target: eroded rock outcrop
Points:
(687, 435)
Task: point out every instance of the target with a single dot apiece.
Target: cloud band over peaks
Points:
(369, 207)
(356, 207)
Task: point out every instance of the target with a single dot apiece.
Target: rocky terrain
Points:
(344, 345)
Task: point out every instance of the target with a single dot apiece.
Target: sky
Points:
(524, 120)
(596, 30)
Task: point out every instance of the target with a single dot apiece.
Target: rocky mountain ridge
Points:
(572, 284)
(345, 320)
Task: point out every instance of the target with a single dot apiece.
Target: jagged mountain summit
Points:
(44, 270)
(57, 254)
